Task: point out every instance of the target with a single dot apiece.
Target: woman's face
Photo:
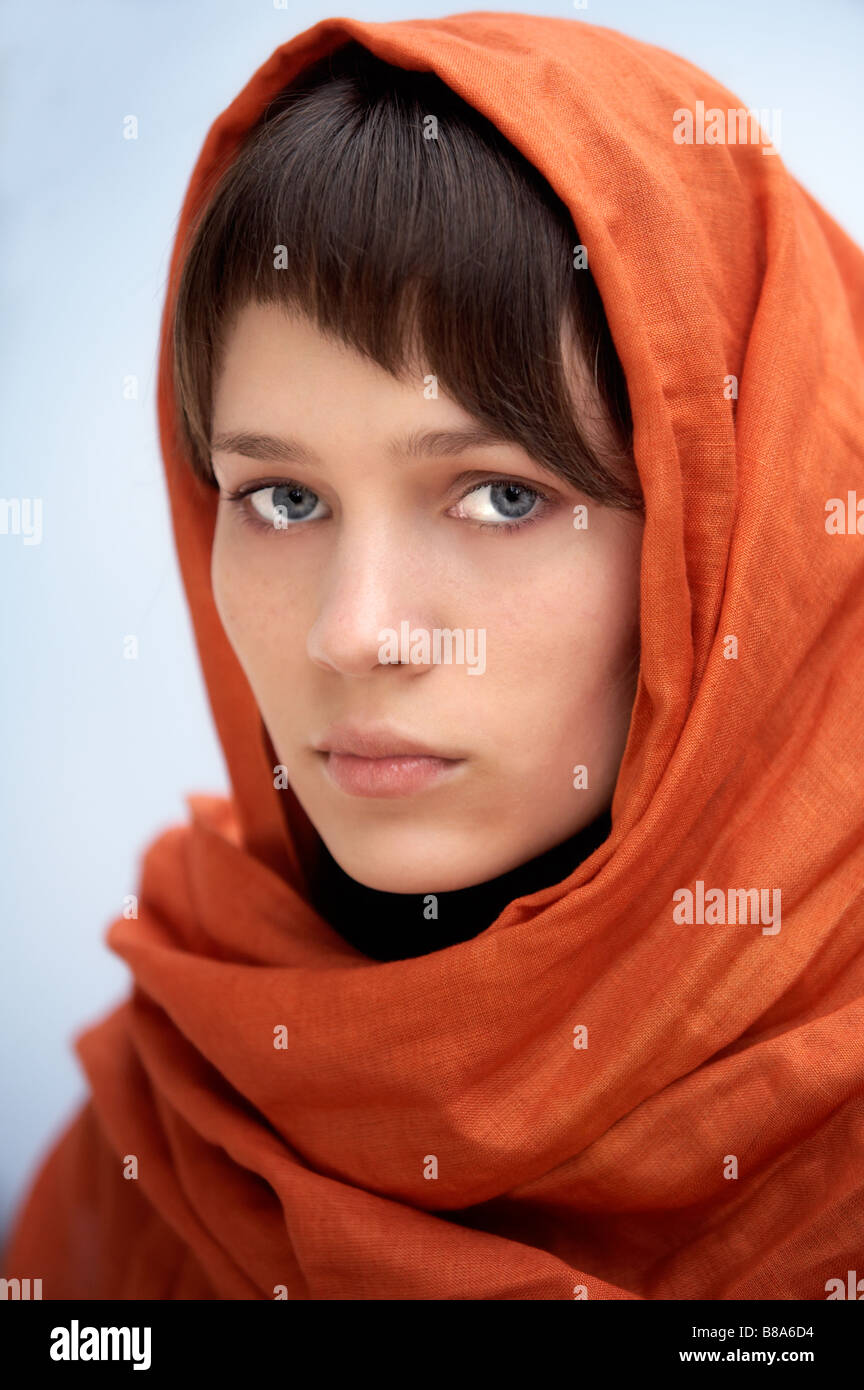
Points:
(352, 549)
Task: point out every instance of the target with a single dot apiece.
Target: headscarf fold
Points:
(594, 1097)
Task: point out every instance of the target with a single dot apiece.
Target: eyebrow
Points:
(273, 448)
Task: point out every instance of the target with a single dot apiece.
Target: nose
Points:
(375, 581)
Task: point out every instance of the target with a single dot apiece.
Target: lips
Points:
(378, 761)
(378, 741)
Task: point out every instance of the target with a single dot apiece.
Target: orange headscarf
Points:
(592, 1097)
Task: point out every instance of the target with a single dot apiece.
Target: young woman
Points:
(502, 411)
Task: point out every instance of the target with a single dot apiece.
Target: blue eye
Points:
(283, 504)
(508, 505)
(501, 504)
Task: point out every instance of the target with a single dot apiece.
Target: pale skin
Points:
(392, 538)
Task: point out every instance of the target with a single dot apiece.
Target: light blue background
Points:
(97, 750)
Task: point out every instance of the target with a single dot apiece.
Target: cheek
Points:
(577, 631)
(605, 624)
(568, 660)
(226, 581)
(248, 606)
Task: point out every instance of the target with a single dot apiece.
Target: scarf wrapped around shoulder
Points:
(623, 1088)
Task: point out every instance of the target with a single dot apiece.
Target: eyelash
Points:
(247, 518)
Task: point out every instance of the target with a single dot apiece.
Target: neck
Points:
(398, 926)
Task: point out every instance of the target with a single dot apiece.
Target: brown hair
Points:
(453, 250)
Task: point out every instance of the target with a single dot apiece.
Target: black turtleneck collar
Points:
(397, 926)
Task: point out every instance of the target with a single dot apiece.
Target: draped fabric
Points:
(595, 1096)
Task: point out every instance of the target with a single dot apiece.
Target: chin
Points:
(392, 869)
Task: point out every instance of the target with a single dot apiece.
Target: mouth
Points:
(377, 761)
(398, 775)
